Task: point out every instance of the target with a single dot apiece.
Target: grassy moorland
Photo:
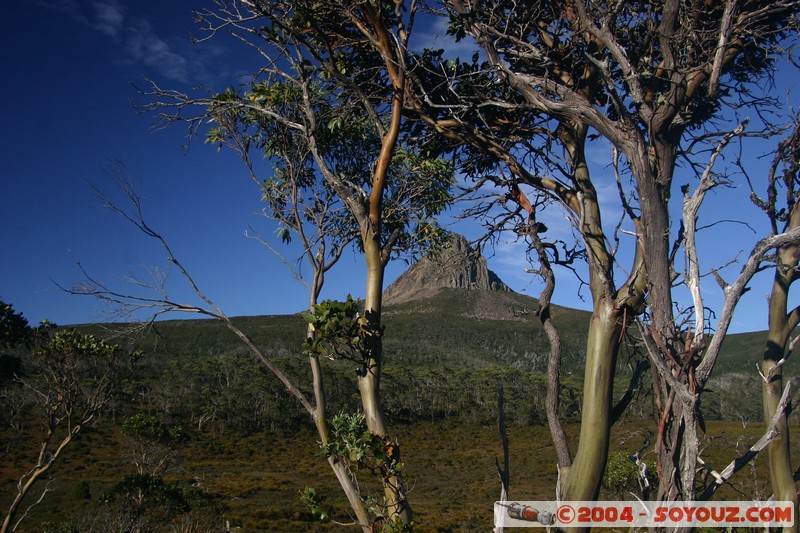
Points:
(238, 449)
(255, 481)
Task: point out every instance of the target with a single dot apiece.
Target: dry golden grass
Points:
(450, 471)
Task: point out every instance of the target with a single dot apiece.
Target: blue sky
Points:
(67, 116)
(67, 108)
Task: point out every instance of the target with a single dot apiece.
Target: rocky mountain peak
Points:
(458, 266)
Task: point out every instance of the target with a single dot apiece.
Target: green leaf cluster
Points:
(152, 428)
(322, 142)
(418, 189)
(338, 330)
(353, 444)
(268, 121)
(147, 490)
(71, 343)
(14, 328)
(14, 333)
(150, 502)
(316, 503)
(78, 368)
(398, 526)
(622, 475)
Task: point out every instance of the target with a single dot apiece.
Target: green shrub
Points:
(145, 426)
(59, 527)
(80, 491)
(622, 474)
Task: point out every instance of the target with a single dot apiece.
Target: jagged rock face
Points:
(456, 267)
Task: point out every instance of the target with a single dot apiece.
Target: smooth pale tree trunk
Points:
(339, 469)
(586, 473)
(781, 325)
(321, 422)
(46, 460)
(560, 441)
(369, 384)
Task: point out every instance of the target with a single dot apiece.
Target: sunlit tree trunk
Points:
(377, 255)
(781, 324)
(47, 458)
(586, 473)
(369, 381)
(584, 477)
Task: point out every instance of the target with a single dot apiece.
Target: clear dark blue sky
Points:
(66, 106)
(66, 114)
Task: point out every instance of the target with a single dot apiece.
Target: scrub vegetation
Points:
(201, 435)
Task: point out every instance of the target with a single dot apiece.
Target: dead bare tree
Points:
(128, 305)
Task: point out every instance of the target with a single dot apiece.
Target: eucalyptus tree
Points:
(303, 206)
(783, 210)
(326, 105)
(661, 83)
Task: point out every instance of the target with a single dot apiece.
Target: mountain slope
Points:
(452, 313)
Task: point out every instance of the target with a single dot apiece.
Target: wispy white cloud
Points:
(67, 8)
(109, 18)
(135, 37)
(431, 33)
(144, 46)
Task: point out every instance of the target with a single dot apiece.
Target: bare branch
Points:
(554, 362)
(691, 206)
(162, 305)
(656, 358)
(735, 291)
(720, 478)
